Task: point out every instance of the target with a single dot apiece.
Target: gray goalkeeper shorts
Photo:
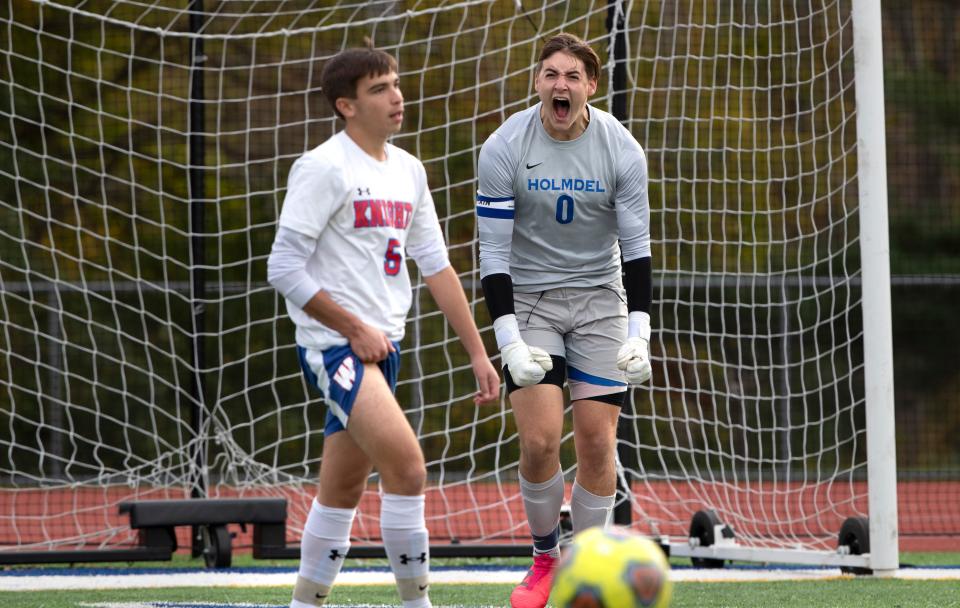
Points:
(584, 325)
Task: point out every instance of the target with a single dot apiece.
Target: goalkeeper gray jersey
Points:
(550, 213)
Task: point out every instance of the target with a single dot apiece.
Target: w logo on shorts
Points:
(338, 373)
(346, 374)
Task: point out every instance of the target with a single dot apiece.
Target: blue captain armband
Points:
(495, 229)
(500, 208)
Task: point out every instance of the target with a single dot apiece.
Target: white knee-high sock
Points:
(588, 510)
(325, 542)
(542, 503)
(407, 544)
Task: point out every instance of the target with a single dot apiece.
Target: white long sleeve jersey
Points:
(347, 222)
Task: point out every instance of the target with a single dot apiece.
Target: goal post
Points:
(144, 152)
(875, 254)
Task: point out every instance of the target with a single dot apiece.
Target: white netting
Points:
(111, 317)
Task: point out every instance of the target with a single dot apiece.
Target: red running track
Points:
(811, 514)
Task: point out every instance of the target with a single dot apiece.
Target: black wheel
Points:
(664, 545)
(702, 527)
(216, 547)
(566, 523)
(855, 534)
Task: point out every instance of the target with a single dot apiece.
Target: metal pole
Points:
(623, 509)
(616, 25)
(195, 161)
(54, 390)
(198, 258)
(783, 399)
(875, 253)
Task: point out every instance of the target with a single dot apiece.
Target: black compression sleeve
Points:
(638, 282)
(498, 293)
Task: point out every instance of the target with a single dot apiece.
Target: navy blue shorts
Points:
(337, 373)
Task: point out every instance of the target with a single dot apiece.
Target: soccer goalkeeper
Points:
(559, 184)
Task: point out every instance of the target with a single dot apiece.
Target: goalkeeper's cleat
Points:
(534, 591)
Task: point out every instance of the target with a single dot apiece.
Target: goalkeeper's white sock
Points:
(588, 509)
(542, 502)
(325, 542)
(407, 544)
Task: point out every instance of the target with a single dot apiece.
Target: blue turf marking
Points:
(153, 604)
(163, 604)
(158, 604)
(757, 566)
(244, 570)
(24, 572)
(208, 605)
(135, 571)
(217, 605)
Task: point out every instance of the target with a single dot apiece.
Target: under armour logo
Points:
(334, 554)
(406, 559)
(362, 191)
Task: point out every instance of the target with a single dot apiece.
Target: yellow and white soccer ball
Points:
(612, 568)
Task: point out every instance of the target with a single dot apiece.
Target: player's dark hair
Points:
(343, 70)
(572, 45)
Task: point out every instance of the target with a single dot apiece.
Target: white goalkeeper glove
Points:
(528, 364)
(634, 355)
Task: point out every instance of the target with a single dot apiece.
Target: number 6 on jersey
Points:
(393, 258)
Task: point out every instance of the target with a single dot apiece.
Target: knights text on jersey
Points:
(364, 214)
(551, 212)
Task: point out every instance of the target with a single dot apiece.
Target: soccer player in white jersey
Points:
(562, 196)
(354, 207)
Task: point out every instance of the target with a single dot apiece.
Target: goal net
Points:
(144, 150)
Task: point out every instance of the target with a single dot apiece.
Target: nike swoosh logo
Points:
(320, 596)
(529, 166)
(422, 587)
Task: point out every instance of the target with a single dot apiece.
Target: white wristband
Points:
(638, 325)
(506, 330)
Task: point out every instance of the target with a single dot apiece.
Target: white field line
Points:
(203, 578)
